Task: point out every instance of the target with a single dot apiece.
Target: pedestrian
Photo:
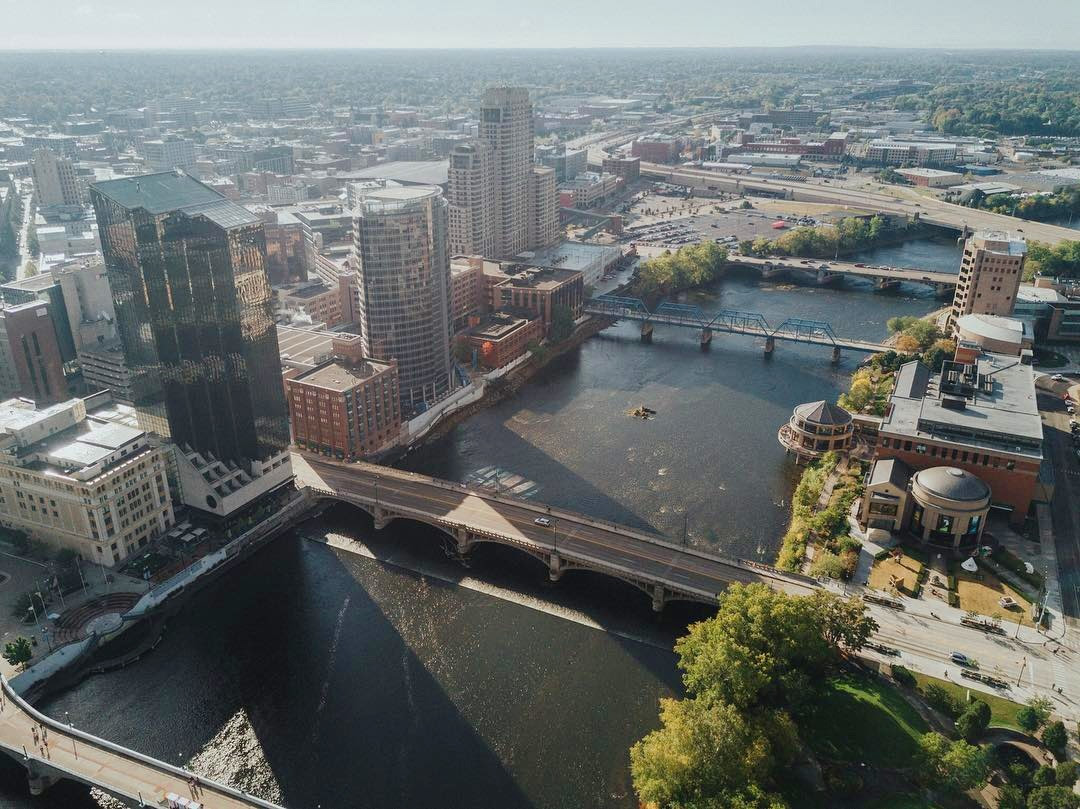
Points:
(33, 732)
(946, 673)
(45, 734)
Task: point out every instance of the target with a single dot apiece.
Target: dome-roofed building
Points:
(816, 428)
(949, 506)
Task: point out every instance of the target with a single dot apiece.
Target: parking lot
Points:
(715, 224)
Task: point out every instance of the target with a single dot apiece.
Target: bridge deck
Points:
(114, 769)
(578, 540)
(910, 274)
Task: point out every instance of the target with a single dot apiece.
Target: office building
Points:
(347, 407)
(73, 480)
(628, 169)
(656, 148)
(502, 337)
(911, 153)
(403, 287)
(168, 154)
(990, 274)
(195, 316)
(567, 163)
(56, 182)
(539, 290)
(31, 363)
(467, 297)
(978, 415)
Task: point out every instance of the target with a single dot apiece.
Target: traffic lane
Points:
(589, 541)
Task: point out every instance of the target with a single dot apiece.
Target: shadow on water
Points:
(348, 682)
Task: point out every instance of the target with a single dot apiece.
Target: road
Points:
(82, 757)
(575, 538)
(910, 274)
(929, 209)
(1065, 507)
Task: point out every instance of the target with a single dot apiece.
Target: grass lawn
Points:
(980, 592)
(1002, 711)
(883, 571)
(864, 720)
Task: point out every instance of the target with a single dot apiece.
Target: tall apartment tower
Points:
(471, 199)
(990, 274)
(543, 209)
(506, 125)
(187, 268)
(55, 180)
(403, 287)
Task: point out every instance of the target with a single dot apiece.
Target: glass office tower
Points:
(195, 314)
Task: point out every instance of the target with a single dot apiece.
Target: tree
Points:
(1055, 737)
(562, 323)
(906, 344)
(951, 766)
(1055, 797)
(1042, 707)
(899, 323)
(1044, 777)
(973, 721)
(1011, 797)
(1066, 774)
(843, 622)
(1027, 719)
(18, 652)
(702, 750)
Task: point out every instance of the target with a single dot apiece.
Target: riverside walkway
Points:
(132, 777)
(562, 540)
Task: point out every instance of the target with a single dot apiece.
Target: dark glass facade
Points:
(187, 269)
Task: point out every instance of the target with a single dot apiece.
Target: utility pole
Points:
(554, 536)
(1022, 667)
(685, 520)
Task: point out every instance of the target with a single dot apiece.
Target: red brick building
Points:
(347, 407)
(502, 337)
(30, 353)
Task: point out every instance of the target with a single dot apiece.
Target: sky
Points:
(155, 24)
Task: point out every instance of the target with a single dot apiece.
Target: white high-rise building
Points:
(500, 206)
(56, 182)
(169, 153)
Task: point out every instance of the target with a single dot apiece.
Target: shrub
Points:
(903, 676)
(954, 600)
(1028, 719)
(1066, 773)
(973, 721)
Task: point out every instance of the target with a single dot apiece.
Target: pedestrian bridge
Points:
(562, 540)
(131, 777)
(729, 321)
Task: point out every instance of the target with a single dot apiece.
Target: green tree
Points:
(1066, 773)
(1011, 797)
(1053, 798)
(562, 322)
(1027, 719)
(900, 323)
(973, 721)
(18, 652)
(1044, 776)
(843, 622)
(702, 752)
(951, 766)
(1055, 737)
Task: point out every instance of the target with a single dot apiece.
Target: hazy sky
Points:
(535, 23)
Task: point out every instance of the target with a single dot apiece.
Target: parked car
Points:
(544, 521)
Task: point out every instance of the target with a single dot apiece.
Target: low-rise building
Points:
(314, 298)
(536, 289)
(1000, 335)
(587, 189)
(931, 178)
(502, 337)
(346, 407)
(911, 153)
(466, 291)
(816, 428)
(978, 414)
(75, 481)
(656, 148)
(627, 169)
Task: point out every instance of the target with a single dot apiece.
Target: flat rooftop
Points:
(409, 172)
(1002, 415)
(578, 256)
(341, 376)
(175, 191)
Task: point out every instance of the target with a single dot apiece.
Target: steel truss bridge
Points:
(729, 321)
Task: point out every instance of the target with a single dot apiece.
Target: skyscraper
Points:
(403, 289)
(990, 274)
(55, 180)
(194, 313)
(496, 198)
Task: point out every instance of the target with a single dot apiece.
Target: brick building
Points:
(502, 337)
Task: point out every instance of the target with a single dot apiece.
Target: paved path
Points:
(70, 753)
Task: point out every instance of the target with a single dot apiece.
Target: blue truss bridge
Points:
(728, 321)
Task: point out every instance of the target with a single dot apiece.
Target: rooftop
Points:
(412, 172)
(990, 405)
(341, 376)
(175, 191)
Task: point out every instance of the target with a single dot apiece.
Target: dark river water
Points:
(316, 676)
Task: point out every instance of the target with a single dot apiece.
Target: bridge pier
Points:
(836, 355)
(646, 331)
(770, 344)
(942, 290)
(380, 517)
(39, 781)
(887, 283)
(461, 538)
(826, 277)
(554, 567)
(706, 338)
(658, 598)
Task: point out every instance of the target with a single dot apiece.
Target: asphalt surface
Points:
(1065, 506)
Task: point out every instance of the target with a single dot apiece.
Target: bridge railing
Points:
(59, 729)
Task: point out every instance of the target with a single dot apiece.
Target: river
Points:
(319, 676)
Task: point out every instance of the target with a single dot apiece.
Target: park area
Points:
(896, 573)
